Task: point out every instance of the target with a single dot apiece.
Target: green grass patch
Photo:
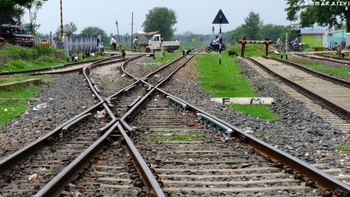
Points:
(342, 71)
(261, 111)
(227, 80)
(11, 109)
(222, 80)
(167, 57)
(344, 147)
(20, 65)
(266, 133)
(164, 136)
(20, 92)
(45, 171)
(22, 77)
(16, 58)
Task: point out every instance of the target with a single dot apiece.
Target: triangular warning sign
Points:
(220, 18)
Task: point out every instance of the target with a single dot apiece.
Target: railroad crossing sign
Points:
(220, 18)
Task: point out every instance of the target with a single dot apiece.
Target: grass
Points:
(15, 58)
(227, 80)
(266, 133)
(11, 109)
(222, 80)
(344, 147)
(20, 92)
(167, 57)
(261, 111)
(342, 71)
(21, 77)
(165, 136)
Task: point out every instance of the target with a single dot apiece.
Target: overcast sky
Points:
(195, 16)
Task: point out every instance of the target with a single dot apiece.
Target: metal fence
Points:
(80, 44)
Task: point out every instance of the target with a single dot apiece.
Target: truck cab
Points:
(15, 34)
(156, 42)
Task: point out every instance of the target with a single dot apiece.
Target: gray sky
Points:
(195, 16)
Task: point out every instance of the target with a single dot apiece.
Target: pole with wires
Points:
(61, 14)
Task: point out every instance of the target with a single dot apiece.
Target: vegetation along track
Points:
(156, 110)
(328, 91)
(324, 57)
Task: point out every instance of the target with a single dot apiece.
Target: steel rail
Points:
(326, 103)
(68, 174)
(336, 60)
(7, 163)
(322, 179)
(313, 72)
(151, 183)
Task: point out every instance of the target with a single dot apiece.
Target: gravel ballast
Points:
(299, 131)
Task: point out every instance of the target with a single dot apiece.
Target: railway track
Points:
(323, 57)
(342, 124)
(203, 163)
(321, 88)
(215, 158)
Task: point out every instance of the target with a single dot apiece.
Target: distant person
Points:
(114, 43)
(278, 43)
(216, 42)
(295, 42)
(134, 44)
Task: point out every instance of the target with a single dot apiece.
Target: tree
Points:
(252, 26)
(68, 29)
(326, 13)
(237, 34)
(36, 5)
(161, 19)
(273, 31)
(12, 10)
(96, 31)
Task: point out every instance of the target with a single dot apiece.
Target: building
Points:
(335, 38)
(314, 37)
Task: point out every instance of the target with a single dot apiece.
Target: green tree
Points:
(68, 29)
(237, 34)
(96, 31)
(273, 31)
(327, 15)
(252, 25)
(33, 9)
(161, 19)
(12, 10)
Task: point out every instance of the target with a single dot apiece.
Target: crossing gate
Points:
(243, 42)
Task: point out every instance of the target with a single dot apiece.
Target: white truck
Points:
(155, 43)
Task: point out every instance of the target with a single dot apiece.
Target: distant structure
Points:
(314, 37)
(335, 38)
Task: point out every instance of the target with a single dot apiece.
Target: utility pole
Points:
(61, 13)
(116, 23)
(132, 28)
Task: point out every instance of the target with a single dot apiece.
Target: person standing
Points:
(114, 43)
(278, 43)
(134, 44)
